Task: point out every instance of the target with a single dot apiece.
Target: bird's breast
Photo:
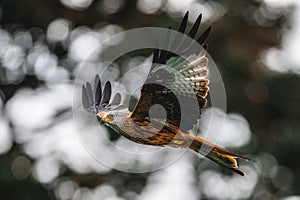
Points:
(156, 132)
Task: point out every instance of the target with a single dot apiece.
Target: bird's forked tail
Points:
(217, 154)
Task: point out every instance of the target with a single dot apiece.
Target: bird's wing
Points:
(99, 100)
(176, 83)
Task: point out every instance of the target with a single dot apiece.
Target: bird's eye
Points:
(110, 117)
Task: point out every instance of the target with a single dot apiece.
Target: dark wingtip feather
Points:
(97, 79)
(85, 100)
(195, 26)
(116, 100)
(89, 92)
(183, 23)
(98, 90)
(164, 54)
(155, 55)
(204, 36)
(106, 93)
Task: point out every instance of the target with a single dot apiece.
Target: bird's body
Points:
(156, 133)
(180, 86)
(159, 133)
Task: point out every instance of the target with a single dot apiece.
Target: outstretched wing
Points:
(176, 83)
(100, 100)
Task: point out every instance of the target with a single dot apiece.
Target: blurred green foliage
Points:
(270, 101)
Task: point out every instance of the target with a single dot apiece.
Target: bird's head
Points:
(114, 116)
(107, 116)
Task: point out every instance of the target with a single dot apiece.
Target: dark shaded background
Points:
(243, 33)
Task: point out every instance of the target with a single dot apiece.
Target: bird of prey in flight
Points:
(182, 78)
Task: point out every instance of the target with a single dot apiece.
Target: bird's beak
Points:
(101, 115)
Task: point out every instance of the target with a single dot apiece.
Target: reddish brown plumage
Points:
(159, 133)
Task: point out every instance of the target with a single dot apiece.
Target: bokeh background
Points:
(255, 44)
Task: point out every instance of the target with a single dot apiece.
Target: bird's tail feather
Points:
(217, 154)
